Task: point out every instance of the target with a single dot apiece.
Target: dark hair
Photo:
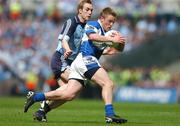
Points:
(108, 11)
(81, 4)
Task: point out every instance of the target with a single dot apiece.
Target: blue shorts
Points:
(59, 64)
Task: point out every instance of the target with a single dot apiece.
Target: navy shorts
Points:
(59, 64)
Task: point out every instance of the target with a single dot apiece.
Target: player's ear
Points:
(80, 11)
(102, 19)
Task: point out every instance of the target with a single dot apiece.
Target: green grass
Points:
(89, 113)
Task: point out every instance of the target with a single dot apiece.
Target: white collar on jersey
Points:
(101, 26)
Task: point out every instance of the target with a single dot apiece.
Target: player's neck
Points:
(81, 19)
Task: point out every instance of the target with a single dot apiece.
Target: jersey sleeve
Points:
(91, 27)
(67, 30)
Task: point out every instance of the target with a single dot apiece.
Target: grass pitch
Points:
(89, 113)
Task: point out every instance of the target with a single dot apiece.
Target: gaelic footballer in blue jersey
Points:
(86, 66)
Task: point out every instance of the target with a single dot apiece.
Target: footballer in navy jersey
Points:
(72, 33)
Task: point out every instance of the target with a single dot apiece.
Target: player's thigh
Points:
(60, 67)
(73, 89)
(101, 77)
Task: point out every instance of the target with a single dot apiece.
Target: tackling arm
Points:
(65, 45)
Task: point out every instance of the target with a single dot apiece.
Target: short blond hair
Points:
(81, 4)
(108, 11)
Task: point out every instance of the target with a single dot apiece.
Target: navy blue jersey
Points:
(72, 32)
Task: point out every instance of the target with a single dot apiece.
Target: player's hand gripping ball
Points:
(116, 35)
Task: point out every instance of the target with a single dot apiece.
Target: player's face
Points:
(86, 11)
(107, 22)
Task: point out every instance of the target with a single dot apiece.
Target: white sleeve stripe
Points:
(69, 22)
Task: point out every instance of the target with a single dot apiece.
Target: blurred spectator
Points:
(160, 78)
(141, 30)
(162, 26)
(52, 83)
(1, 10)
(31, 81)
(15, 9)
(148, 78)
(172, 25)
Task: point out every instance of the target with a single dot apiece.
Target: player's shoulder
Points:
(94, 23)
(72, 21)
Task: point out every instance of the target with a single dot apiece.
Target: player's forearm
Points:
(65, 45)
(67, 49)
(99, 38)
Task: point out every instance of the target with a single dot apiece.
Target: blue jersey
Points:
(72, 32)
(92, 48)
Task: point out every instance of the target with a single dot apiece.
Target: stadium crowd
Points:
(28, 38)
(148, 78)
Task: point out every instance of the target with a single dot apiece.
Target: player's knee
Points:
(109, 84)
